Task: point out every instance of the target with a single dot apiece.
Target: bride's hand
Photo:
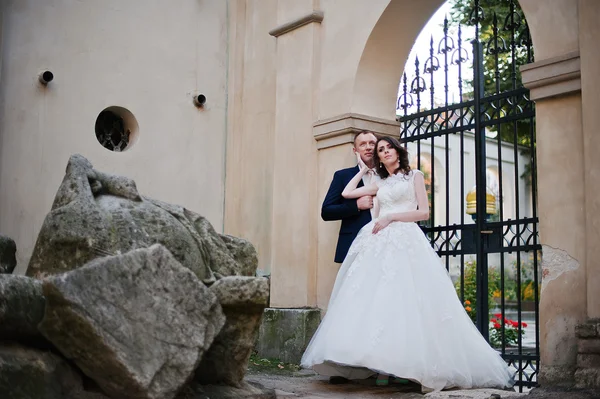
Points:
(381, 224)
(361, 165)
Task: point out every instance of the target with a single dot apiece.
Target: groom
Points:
(354, 213)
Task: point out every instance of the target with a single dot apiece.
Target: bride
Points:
(393, 309)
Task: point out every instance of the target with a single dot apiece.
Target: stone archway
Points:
(385, 53)
(327, 71)
(555, 80)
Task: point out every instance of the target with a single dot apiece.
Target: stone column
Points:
(589, 34)
(292, 319)
(334, 138)
(555, 86)
(294, 230)
(251, 125)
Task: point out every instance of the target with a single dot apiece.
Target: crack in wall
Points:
(556, 262)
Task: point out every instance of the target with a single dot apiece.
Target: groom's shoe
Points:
(336, 380)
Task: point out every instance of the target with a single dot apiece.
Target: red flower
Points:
(498, 315)
(524, 324)
(496, 325)
(494, 320)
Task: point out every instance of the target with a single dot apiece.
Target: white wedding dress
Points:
(394, 310)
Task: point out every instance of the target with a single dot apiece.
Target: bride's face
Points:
(387, 154)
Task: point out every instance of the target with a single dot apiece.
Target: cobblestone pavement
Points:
(305, 384)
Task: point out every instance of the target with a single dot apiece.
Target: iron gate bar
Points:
(504, 110)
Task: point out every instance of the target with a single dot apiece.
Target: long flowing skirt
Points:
(394, 310)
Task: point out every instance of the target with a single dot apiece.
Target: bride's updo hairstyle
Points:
(402, 155)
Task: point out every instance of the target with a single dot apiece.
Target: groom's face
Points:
(364, 145)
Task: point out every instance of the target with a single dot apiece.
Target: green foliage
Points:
(470, 288)
(501, 74)
(527, 288)
(512, 329)
(272, 366)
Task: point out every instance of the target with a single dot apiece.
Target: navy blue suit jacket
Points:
(336, 207)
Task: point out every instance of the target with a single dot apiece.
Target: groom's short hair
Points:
(363, 132)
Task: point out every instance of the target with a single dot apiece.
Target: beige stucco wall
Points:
(562, 232)
(553, 26)
(147, 56)
(589, 34)
(365, 45)
(565, 37)
(343, 65)
(258, 159)
(251, 125)
(343, 73)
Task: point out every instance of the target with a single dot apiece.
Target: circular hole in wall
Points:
(116, 129)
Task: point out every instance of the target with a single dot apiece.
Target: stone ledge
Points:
(315, 16)
(341, 129)
(553, 77)
(587, 378)
(557, 376)
(588, 345)
(284, 334)
(586, 330)
(588, 361)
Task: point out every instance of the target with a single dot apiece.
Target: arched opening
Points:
(463, 105)
(555, 34)
(385, 53)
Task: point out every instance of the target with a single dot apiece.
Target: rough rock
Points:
(243, 300)
(563, 393)
(27, 373)
(96, 214)
(244, 390)
(21, 308)
(137, 324)
(243, 252)
(8, 251)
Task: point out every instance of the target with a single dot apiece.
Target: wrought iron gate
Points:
(488, 237)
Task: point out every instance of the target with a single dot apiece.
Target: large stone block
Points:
(137, 324)
(96, 214)
(588, 360)
(21, 308)
(27, 373)
(587, 378)
(557, 376)
(591, 345)
(586, 330)
(243, 300)
(285, 333)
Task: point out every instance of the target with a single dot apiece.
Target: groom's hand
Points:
(365, 202)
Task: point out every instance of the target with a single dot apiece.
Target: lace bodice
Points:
(397, 194)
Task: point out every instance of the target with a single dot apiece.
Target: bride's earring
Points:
(380, 165)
